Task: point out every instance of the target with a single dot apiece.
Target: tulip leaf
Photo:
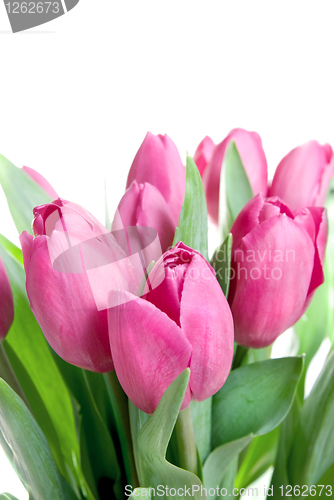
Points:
(22, 193)
(31, 455)
(201, 412)
(153, 440)
(313, 447)
(288, 428)
(11, 248)
(141, 492)
(221, 263)
(254, 399)
(193, 220)
(7, 496)
(259, 457)
(120, 405)
(328, 479)
(100, 447)
(315, 323)
(235, 189)
(30, 356)
(219, 461)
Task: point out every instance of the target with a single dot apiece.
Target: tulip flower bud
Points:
(143, 205)
(203, 153)
(254, 161)
(159, 163)
(6, 302)
(41, 181)
(277, 263)
(71, 266)
(302, 178)
(183, 322)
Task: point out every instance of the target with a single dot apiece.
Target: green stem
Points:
(119, 402)
(186, 441)
(8, 375)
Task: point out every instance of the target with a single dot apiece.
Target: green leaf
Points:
(141, 493)
(201, 412)
(100, 447)
(259, 457)
(221, 263)
(48, 396)
(254, 399)
(120, 405)
(22, 193)
(313, 448)
(287, 433)
(219, 461)
(32, 457)
(193, 220)
(312, 326)
(235, 190)
(7, 496)
(153, 441)
(11, 248)
(328, 479)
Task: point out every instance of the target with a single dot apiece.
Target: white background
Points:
(78, 95)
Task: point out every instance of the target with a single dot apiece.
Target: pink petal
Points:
(203, 153)
(41, 181)
(159, 163)
(248, 219)
(253, 158)
(6, 304)
(272, 273)
(208, 325)
(65, 309)
(302, 177)
(149, 350)
(144, 205)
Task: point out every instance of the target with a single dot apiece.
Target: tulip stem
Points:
(119, 402)
(8, 375)
(186, 441)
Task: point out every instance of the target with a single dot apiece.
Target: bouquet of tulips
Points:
(134, 363)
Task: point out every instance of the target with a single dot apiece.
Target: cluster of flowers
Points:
(101, 306)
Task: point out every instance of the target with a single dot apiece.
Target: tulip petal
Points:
(248, 219)
(314, 221)
(203, 153)
(144, 205)
(309, 167)
(6, 304)
(271, 285)
(64, 306)
(41, 181)
(149, 349)
(159, 163)
(249, 146)
(208, 325)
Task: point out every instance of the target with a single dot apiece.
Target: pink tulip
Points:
(277, 263)
(183, 322)
(254, 161)
(41, 181)
(159, 163)
(143, 205)
(6, 303)
(71, 266)
(203, 154)
(302, 178)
